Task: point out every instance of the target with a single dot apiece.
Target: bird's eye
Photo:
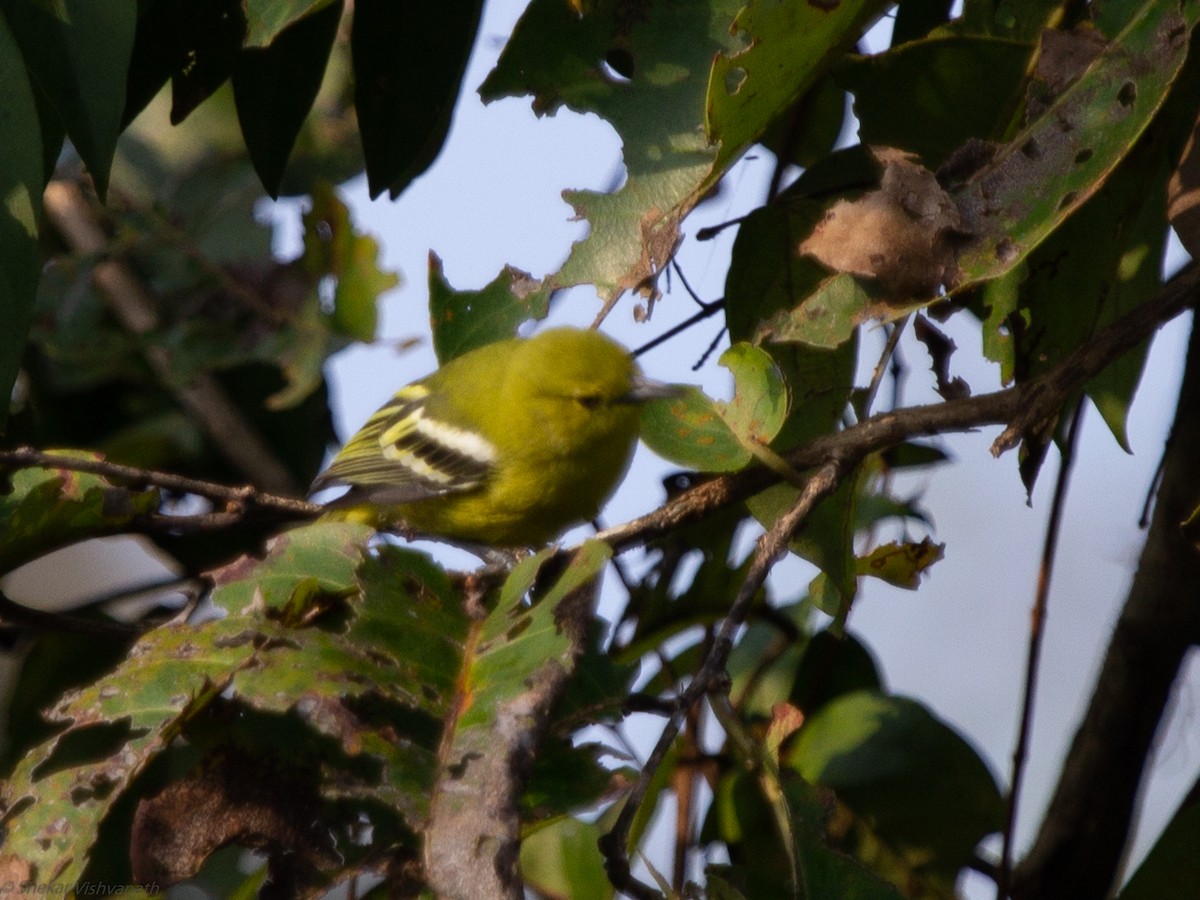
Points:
(588, 401)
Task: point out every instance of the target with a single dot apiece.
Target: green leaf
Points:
(517, 639)
(275, 87)
(907, 776)
(356, 658)
(115, 727)
(77, 53)
(49, 508)
(826, 540)
(1171, 862)
(1100, 265)
(710, 436)
(652, 76)
(743, 817)
(56, 662)
(409, 62)
(324, 556)
(21, 183)
(827, 317)
(930, 96)
(561, 859)
(1062, 158)
(786, 46)
(690, 431)
(656, 105)
(464, 320)
(767, 277)
(333, 248)
(760, 400)
(267, 19)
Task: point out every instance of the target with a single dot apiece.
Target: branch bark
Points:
(473, 836)
(1022, 409)
(71, 214)
(1079, 847)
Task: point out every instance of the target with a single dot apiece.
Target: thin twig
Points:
(889, 348)
(14, 613)
(707, 310)
(1021, 407)
(1037, 629)
(245, 495)
(686, 286)
(771, 547)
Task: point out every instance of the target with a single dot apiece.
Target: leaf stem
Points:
(1037, 630)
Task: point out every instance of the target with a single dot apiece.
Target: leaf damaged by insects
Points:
(903, 235)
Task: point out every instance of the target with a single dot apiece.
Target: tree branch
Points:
(1078, 850)
(1031, 402)
(1033, 656)
(1022, 408)
(245, 497)
(71, 214)
(771, 548)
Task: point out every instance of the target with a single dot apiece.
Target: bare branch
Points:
(1021, 407)
(771, 548)
(68, 209)
(1037, 623)
(1078, 850)
(244, 497)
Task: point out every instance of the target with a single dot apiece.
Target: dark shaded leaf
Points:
(408, 66)
(274, 88)
(78, 53)
(49, 508)
(464, 320)
(930, 96)
(911, 780)
(1171, 862)
(21, 183)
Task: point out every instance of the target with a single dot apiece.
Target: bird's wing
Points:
(408, 454)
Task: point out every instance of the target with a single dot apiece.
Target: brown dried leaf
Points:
(902, 234)
(1065, 55)
(239, 802)
(15, 871)
(1062, 58)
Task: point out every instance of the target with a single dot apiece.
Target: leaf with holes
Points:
(48, 508)
(657, 74)
(1062, 158)
(464, 320)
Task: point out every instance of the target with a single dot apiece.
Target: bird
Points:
(505, 446)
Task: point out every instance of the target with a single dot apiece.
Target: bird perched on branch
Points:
(506, 445)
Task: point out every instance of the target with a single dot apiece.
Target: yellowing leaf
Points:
(901, 564)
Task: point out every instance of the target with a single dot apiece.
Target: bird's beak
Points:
(647, 389)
